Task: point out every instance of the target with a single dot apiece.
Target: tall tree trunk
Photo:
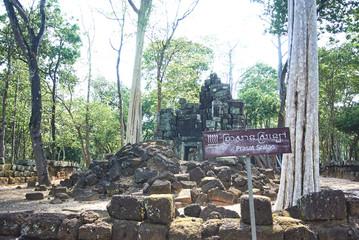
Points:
(53, 110)
(89, 82)
(35, 124)
(53, 117)
(13, 125)
(134, 120)
(30, 50)
(300, 169)
(122, 125)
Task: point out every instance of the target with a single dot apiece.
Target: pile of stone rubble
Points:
(151, 168)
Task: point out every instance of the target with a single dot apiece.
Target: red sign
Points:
(246, 142)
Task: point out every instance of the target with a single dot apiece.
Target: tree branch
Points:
(133, 6)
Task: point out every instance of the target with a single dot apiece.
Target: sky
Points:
(217, 25)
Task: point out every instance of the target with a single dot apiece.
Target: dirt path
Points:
(347, 186)
(13, 200)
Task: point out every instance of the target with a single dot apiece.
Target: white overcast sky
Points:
(225, 22)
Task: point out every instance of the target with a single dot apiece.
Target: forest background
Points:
(80, 94)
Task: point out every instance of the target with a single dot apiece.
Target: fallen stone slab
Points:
(88, 196)
(220, 197)
(34, 196)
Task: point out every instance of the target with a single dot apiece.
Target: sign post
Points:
(247, 142)
(251, 202)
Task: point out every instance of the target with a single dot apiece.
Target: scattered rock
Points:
(88, 196)
(160, 187)
(192, 210)
(225, 213)
(184, 197)
(34, 196)
(196, 174)
(142, 175)
(215, 183)
(89, 217)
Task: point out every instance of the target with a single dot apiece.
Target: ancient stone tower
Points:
(216, 111)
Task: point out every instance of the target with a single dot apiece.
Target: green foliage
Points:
(259, 92)
(185, 63)
(334, 16)
(347, 119)
(339, 86)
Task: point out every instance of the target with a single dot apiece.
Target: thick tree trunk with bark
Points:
(300, 169)
(35, 124)
(30, 50)
(134, 120)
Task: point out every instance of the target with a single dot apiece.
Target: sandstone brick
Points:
(323, 205)
(97, 230)
(160, 208)
(11, 223)
(153, 231)
(42, 226)
(126, 207)
(68, 229)
(186, 229)
(262, 210)
(125, 230)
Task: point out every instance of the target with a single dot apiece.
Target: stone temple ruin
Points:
(216, 111)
